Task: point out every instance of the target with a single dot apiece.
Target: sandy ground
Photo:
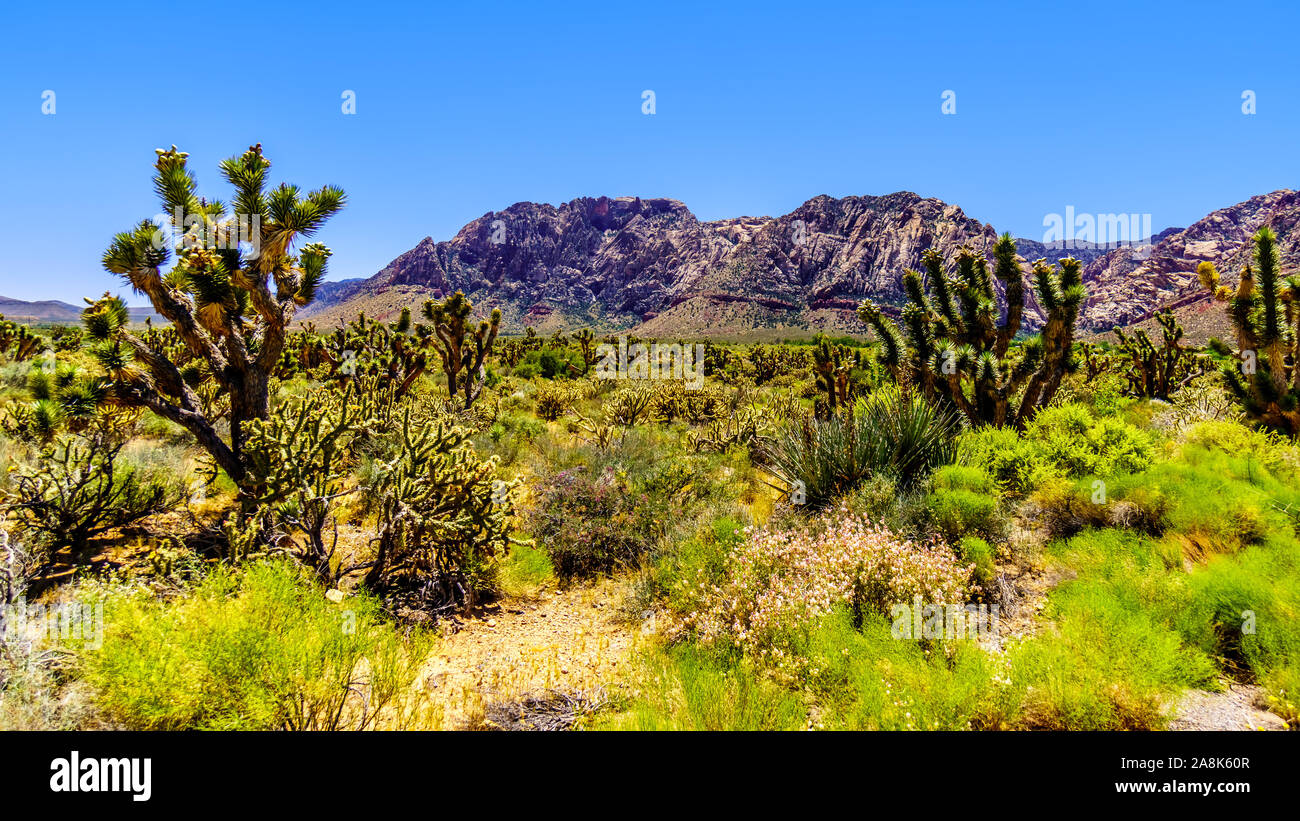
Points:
(566, 647)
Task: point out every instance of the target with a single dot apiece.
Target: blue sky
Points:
(1105, 107)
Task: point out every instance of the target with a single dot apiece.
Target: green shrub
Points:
(1114, 658)
(1013, 461)
(978, 553)
(688, 688)
(259, 648)
(596, 520)
(958, 513)
(889, 433)
(865, 679)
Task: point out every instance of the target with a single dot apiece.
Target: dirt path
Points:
(533, 664)
(1237, 708)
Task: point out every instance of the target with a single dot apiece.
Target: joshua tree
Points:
(397, 350)
(17, 342)
(833, 365)
(1265, 312)
(462, 351)
(1159, 372)
(230, 303)
(587, 342)
(953, 349)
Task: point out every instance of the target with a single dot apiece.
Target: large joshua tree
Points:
(230, 303)
(953, 348)
(1265, 312)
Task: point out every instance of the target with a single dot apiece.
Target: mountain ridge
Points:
(652, 267)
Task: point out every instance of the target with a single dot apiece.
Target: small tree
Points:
(953, 348)
(230, 303)
(462, 351)
(833, 366)
(587, 342)
(1265, 312)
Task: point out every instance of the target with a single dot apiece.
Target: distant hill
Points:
(57, 312)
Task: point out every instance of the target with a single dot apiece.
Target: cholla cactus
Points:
(630, 405)
(298, 458)
(442, 518)
(742, 426)
(953, 348)
(1265, 312)
(769, 361)
(554, 401)
(462, 351)
(1159, 372)
(672, 400)
(229, 306)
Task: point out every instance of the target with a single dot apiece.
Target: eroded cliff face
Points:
(651, 264)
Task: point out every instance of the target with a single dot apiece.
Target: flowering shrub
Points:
(775, 582)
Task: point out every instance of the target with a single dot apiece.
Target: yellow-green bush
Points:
(258, 648)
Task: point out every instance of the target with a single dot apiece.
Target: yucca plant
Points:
(893, 432)
(230, 304)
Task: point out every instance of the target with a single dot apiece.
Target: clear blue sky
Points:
(1108, 107)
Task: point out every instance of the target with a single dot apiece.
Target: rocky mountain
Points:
(651, 265)
(1127, 285)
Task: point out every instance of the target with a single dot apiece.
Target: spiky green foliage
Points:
(442, 518)
(398, 351)
(894, 433)
(1096, 361)
(742, 426)
(587, 343)
(1265, 312)
(769, 361)
(230, 304)
(63, 398)
(952, 346)
(1159, 372)
(630, 405)
(462, 350)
